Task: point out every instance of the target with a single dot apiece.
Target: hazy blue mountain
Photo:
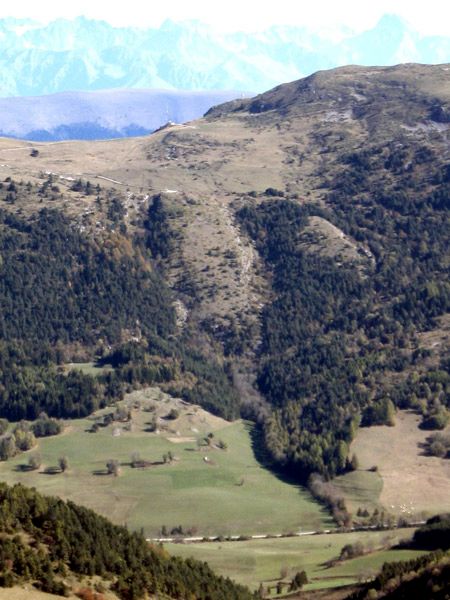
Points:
(103, 114)
(88, 55)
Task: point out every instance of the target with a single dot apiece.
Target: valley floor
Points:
(209, 491)
(267, 561)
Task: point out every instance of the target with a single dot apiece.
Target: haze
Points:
(432, 17)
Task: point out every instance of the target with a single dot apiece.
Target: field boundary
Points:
(267, 536)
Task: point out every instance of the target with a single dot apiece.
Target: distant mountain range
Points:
(102, 115)
(88, 55)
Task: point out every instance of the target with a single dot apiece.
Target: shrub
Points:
(173, 414)
(34, 462)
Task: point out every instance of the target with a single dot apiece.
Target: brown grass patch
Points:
(26, 593)
(413, 483)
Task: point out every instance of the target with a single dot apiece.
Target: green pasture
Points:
(88, 368)
(207, 491)
(255, 561)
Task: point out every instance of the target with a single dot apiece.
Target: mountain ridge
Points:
(84, 54)
(103, 114)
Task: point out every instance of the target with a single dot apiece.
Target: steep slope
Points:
(304, 235)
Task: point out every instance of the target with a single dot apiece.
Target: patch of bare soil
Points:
(26, 593)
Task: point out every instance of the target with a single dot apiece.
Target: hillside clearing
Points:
(28, 592)
(229, 494)
(408, 483)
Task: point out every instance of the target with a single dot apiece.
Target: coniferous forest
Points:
(59, 289)
(334, 329)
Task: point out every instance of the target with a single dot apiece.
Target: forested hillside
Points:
(359, 263)
(425, 578)
(53, 544)
(336, 328)
(285, 258)
(63, 292)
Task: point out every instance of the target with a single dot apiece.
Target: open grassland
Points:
(88, 368)
(206, 490)
(255, 561)
(408, 483)
(361, 489)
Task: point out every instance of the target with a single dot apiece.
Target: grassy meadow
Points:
(255, 561)
(206, 490)
(407, 482)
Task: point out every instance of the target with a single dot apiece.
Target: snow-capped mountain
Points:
(88, 55)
